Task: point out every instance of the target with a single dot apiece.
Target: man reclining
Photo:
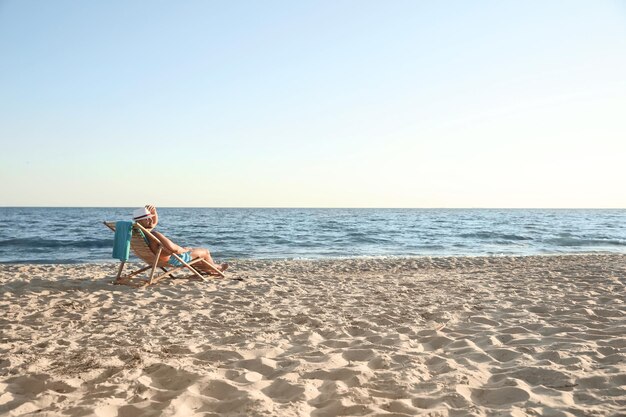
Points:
(148, 217)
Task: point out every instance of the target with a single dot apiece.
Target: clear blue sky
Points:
(313, 103)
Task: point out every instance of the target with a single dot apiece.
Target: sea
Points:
(78, 235)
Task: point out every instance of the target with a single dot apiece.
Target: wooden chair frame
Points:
(142, 250)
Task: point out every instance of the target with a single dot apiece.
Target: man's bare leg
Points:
(206, 255)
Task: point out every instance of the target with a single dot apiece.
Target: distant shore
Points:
(523, 335)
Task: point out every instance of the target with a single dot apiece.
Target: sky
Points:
(313, 103)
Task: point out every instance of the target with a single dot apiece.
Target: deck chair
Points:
(139, 245)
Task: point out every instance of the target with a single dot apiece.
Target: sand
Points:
(492, 336)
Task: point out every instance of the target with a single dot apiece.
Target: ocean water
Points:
(71, 235)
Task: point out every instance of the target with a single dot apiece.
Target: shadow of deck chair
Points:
(139, 245)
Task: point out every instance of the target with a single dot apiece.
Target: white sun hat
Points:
(141, 213)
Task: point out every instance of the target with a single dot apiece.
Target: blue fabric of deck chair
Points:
(121, 241)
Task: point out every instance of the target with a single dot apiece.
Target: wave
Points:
(40, 261)
(494, 236)
(571, 241)
(34, 242)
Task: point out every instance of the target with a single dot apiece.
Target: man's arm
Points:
(155, 215)
(168, 245)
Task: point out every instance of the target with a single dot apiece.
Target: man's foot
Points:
(223, 267)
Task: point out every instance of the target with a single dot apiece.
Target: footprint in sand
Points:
(128, 411)
(17, 392)
(358, 355)
(440, 365)
(166, 377)
(503, 355)
(228, 400)
(516, 330)
(218, 355)
(484, 320)
(340, 408)
(25, 385)
(539, 309)
(435, 342)
(263, 366)
(400, 408)
(495, 397)
(536, 376)
(468, 350)
(351, 377)
(379, 362)
(335, 343)
(220, 390)
(284, 391)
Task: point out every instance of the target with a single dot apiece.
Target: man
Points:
(148, 217)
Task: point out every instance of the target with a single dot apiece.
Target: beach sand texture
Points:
(485, 336)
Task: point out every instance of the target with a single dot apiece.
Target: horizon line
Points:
(337, 207)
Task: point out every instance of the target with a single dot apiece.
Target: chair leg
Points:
(165, 270)
(188, 266)
(154, 266)
(214, 268)
(119, 271)
(139, 271)
(176, 269)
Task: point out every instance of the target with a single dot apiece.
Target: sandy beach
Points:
(483, 336)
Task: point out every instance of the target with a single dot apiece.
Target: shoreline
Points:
(490, 335)
(133, 259)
